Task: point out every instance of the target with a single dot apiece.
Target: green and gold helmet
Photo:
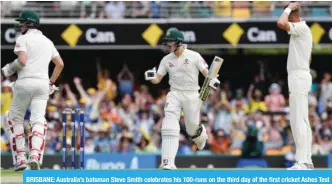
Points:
(173, 34)
(28, 15)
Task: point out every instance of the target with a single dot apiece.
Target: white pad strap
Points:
(200, 137)
(37, 138)
(15, 132)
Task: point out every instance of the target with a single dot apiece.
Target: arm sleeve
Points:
(20, 45)
(200, 63)
(294, 29)
(162, 70)
(55, 52)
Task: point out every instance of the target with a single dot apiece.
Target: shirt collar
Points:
(34, 31)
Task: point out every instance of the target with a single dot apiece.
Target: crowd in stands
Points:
(162, 9)
(123, 119)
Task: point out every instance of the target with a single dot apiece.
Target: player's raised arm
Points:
(283, 22)
(155, 76)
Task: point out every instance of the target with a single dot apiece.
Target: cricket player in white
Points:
(299, 82)
(183, 66)
(31, 89)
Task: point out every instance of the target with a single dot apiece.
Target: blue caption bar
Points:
(177, 176)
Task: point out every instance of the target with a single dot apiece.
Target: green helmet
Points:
(173, 34)
(28, 15)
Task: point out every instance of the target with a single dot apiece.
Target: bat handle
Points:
(206, 94)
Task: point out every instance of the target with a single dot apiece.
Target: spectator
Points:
(3, 141)
(275, 101)
(274, 140)
(89, 146)
(184, 147)
(139, 9)
(223, 118)
(126, 144)
(115, 9)
(6, 97)
(317, 148)
(252, 147)
(127, 112)
(126, 81)
(326, 144)
(145, 145)
(239, 104)
(103, 76)
(325, 90)
(157, 9)
(219, 142)
(91, 9)
(260, 79)
(145, 122)
(222, 8)
(256, 100)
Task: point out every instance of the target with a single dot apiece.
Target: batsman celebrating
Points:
(183, 66)
(299, 82)
(31, 89)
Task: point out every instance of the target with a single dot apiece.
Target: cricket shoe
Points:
(34, 162)
(200, 140)
(168, 167)
(301, 166)
(21, 165)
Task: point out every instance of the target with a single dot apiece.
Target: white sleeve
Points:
(55, 52)
(200, 63)
(295, 29)
(162, 70)
(21, 45)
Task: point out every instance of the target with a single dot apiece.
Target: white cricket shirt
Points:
(300, 46)
(183, 71)
(40, 51)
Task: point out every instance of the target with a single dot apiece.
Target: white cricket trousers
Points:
(189, 103)
(299, 83)
(29, 92)
(33, 93)
(176, 102)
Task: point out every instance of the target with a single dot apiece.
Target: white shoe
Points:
(168, 167)
(34, 162)
(301, 166)
(200, 141)
(21, 165)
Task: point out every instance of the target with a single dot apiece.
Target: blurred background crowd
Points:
(162, 9)
(122, 116)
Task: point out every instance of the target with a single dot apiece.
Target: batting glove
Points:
(7, 70)
(150, 74)
(53, 88)
(214, 83)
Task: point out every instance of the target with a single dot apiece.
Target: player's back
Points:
(39, 51)
(300, 46)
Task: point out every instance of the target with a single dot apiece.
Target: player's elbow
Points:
(282, 24)
(58, 62)
(61, 65)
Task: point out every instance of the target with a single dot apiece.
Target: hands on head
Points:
(294, 6)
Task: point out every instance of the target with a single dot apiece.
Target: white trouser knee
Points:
(37, 139)
(16, 136)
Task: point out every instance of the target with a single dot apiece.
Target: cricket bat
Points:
(213, 72)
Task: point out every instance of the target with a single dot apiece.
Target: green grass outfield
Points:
(12, 177)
